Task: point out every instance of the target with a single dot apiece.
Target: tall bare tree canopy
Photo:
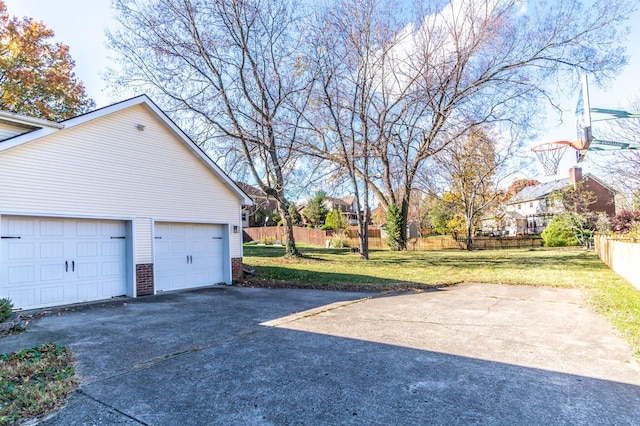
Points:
(453, 65)
(233, 68)
(377, 88)
(36, 76)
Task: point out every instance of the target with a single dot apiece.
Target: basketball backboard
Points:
(583, 120)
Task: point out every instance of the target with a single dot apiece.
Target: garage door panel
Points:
(111, 269)
(87, 249)
(202, 279)
(61, 261)
(178, 247)
(52, 272)
(51, 250)
(19, 227)
(161, 246)
(21, 251)
(21, 274)
(115, 229)
(87, 269)
(203, 246)
(178, 230)
(23, 297)
(53, 295)
(86, 229)
(112, 248)
(109, 287)
(51, 228)
(88, 291)
(161, 267)
(178, 263)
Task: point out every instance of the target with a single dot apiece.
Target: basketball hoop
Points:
(550, 154)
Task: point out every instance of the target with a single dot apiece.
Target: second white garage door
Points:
(188, 255)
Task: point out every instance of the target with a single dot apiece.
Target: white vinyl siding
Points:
(144, 240)
(108, 168)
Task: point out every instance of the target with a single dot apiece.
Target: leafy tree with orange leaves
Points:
(36, 75)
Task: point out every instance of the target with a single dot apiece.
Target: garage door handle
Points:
(66, 266)
(190, 259)
(73, 265)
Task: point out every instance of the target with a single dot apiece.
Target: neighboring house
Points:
(495, 225)
(260, 201)
(531, 209)
(348, 206)
(118, 201)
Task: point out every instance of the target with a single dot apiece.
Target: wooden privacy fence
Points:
(493, 243)
(271, 234)
(621, 255)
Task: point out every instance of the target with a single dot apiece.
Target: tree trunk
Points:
(287, 223)
(363, 229)
(402, 241)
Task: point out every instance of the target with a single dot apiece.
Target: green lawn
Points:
(608, 293)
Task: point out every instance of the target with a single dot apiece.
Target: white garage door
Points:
(53, 261)
(188, 255)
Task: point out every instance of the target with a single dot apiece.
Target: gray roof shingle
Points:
(538, 191)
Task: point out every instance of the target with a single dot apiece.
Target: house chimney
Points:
(575, 175)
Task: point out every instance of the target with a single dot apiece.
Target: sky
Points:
(81, 24)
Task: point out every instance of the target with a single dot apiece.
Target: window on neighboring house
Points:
(244, 216)
(531, 204)
(519, 206)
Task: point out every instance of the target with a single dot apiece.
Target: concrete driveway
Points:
(469, 354)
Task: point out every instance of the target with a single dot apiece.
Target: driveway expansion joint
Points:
(84, 394)
(312, 312)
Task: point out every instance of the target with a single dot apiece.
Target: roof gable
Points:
(150, 107)
(251, 191)
(604, 185)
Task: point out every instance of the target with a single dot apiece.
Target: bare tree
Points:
(347, 41)
(233, 69)
(463, 63)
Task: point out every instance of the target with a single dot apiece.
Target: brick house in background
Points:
(348, 206)
(531, 209)
(260, 201)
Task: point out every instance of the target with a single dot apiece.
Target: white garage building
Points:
(118, 201)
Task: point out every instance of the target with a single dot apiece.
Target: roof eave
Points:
(27, 121)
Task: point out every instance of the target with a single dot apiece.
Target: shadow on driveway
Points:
(203, 357)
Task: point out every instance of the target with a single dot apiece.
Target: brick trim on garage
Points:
(144, 279)
(236, 268)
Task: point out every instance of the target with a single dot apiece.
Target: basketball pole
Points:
(583, 120)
